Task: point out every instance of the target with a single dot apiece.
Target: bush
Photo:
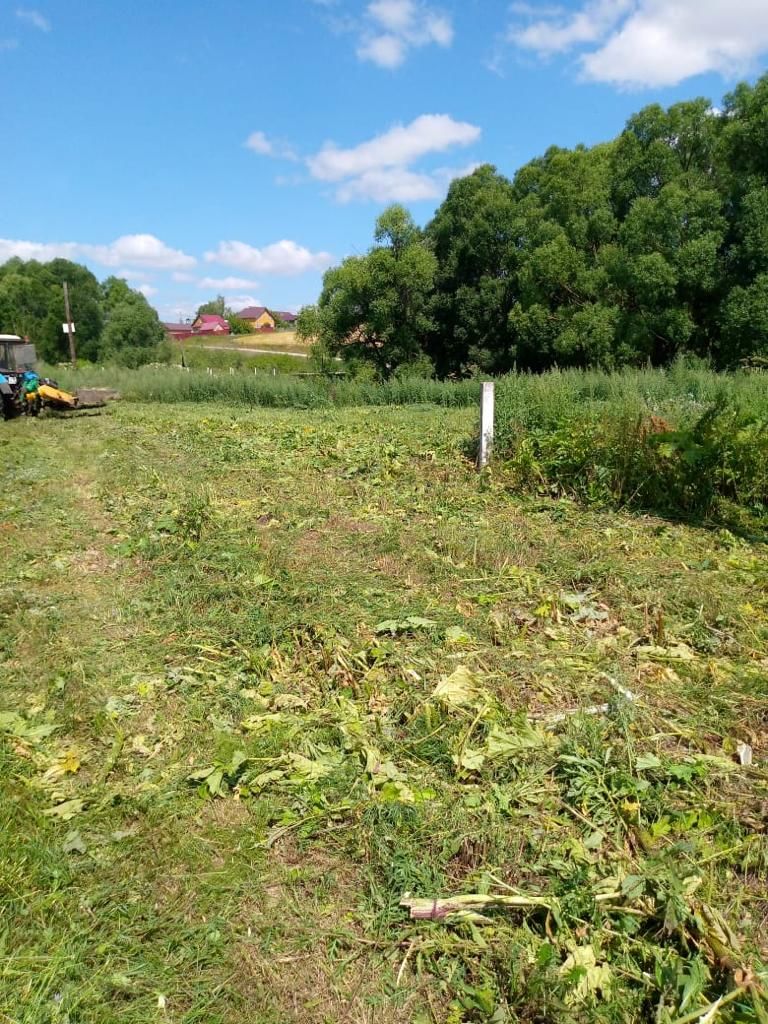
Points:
(674, 442)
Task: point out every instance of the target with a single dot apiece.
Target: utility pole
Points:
(70, 327)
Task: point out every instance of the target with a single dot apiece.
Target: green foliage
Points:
(473, 235)
(32, 303)
(214, 307)
(285, 390)
(376, 307)
(112, 320)
(675, 442)
(132, 333)
(635, 251)
(199, 357)
(238, 326)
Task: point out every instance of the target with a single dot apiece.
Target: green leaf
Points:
(646, 762)
(265, 779)
(469, 759)
(415, 622)
(502, 743)
(74, 843)
(461, 688)
(66, 810)
(594, 840)
(388, 626)
(305, 769)
(633, 886)
(457, 635)
(19, 727)
(411, 624)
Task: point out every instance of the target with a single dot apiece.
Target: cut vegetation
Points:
(304, 720)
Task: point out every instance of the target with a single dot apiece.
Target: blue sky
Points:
(242, 146)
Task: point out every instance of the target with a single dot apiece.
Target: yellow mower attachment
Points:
(56, 398)
(46, 394)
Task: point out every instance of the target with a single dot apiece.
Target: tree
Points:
(473, 238)
(214, 307)
(376, 308)
(744, 322)
(133, 333)
(236, 325)
(308, 324)
(32, 303)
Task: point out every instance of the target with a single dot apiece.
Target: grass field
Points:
(277, 341)
(200, 358)
(266, 672)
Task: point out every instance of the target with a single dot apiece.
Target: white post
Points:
(487, 403)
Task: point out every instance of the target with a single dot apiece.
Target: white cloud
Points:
(147, 290)
(34, 18)
(240, 302)
(139, 251)
(131, 275)
(400, 185)
(181, 277)
(557, 33)
(8, 44)
(260, 143)
(381, 168)
(393, 27)
(647, 43)
(285, 258)
(129, 250)
(398, 147)
(226, 283)
(42, 251)
(387, 51)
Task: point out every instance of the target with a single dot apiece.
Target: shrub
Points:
(674, 442)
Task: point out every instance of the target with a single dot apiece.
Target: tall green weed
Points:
(672, 441)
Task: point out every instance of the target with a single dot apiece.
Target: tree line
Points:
(113, 322)
(634, 251)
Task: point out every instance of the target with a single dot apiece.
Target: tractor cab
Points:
(17, 364)
(16, 354)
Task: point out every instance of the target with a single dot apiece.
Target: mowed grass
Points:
(266, 672)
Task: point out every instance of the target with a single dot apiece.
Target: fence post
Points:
(487, 405)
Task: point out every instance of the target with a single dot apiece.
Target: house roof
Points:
(216, 328)
(178, 327)
(212, 319)
(252, 312)
(287, 318)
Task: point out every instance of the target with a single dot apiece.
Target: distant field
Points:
(199, 357)
(280, 341)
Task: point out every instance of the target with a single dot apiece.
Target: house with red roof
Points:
(179, 332)
(289, 319)
(211, 323)
(258, 318)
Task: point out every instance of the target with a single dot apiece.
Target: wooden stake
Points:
(487, 406)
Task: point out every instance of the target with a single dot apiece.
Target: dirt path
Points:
(254, 351)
